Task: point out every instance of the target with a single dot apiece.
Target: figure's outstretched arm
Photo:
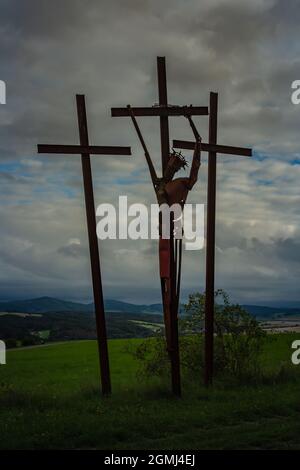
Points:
(147, 155)
(197, 155)
(196, 163)
(194, 129)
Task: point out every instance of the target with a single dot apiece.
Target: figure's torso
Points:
(173, 192)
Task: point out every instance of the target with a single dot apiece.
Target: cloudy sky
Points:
(106, 49)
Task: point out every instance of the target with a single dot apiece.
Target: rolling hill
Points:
(35, 321)
(51, 304)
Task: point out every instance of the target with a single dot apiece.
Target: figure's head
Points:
(175, 163)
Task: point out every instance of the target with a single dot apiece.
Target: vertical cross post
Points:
(85, 150)
(94, 248)
(213, 149)
(210, 240)
(164, 120)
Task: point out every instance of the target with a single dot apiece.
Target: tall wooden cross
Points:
(85, 150)
(213, 149)
(164, 111)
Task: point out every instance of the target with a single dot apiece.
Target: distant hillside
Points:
(42, 305)
(119, 306)
(270, 313)
(50, 304)
(35, 321)
(63, 326)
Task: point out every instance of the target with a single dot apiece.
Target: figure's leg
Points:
(174, 338)
(178, 262)
(164, 268)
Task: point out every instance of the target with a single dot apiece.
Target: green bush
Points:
(238, 342)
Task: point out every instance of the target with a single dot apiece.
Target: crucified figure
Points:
(171, 191)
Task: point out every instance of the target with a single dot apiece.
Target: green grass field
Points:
(49, 398)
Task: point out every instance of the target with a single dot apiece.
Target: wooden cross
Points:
(85, 150)
(212, 148)
(163, 111)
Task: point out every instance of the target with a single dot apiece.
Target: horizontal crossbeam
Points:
(84, 149)
(226, 149)
(161, 110)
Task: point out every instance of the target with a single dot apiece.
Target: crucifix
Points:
(213, 149)
(170, 164)
(85, 150)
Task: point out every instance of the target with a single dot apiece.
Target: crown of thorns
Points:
(179, 155)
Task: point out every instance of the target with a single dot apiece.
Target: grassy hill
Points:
(49, 398)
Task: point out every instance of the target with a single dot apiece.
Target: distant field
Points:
(282, 326)
(49, 398)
